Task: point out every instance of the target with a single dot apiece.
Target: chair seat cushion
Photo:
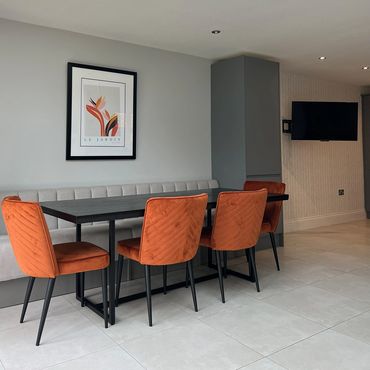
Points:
(129, 248)
(80, 257)
(205, 238)
(266, 227)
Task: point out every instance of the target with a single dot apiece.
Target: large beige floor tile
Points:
(261, 326)
(270, 284)
(349, 285)
(208, 295)
(114, 358)
(317, 304)
(364, 272)
(9, 317)
(265, 258)
(325, 351)
(190, 346)
(132, 318)
(307, 272)
(332, 259)
(65, 337)
(342, 262)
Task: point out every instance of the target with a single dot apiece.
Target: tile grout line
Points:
(267, 356)
(80, 310)
(263, 358)
(286, 310)
(79, 357)
(321, 332)
(338, 293)
(293, 344)
(314, 321)
(277, 363)
(103, 330)
(131, 355)
(231, 337)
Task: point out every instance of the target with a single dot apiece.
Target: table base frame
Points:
(98, 307)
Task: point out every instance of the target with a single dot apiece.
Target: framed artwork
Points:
(101, 113)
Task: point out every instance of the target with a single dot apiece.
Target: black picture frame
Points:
(69, 156)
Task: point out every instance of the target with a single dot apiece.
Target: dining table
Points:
(111, 209)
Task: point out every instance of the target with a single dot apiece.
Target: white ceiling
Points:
(294, 32)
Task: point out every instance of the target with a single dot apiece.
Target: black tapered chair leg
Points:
(251, 273)
(119, 277)
(247, 255)
(148, 293)
(186, 276)
(220, 277)
(224, 257)
(190, 269)
(252, 257)
(49, 293)
(82, 289)
(164, 279)
(104, 274)
(273, 242)
(31, 280)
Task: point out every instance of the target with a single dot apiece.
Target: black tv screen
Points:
(324, 121)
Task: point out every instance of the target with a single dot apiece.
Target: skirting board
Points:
(305, 223)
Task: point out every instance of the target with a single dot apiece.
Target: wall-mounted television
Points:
(324, 121)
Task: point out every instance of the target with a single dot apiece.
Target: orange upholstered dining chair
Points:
(38, 258)
(272, 211)
(236, 226)
(170, 235)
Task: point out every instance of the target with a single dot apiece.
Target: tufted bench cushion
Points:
(62, 231)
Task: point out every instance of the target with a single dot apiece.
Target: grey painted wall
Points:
(173, 117)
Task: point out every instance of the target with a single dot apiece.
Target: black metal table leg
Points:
(112, 272)
(78, 275)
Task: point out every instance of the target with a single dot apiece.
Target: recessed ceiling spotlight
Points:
(322, 58)
(216, 32)
(365, 67)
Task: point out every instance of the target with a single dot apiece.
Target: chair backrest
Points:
(171, 229)
(238, 219)
(29, 237)
(273, 209)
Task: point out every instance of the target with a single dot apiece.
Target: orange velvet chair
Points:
(170, 235)
(272, 212)
(38, 258)
(236, 226)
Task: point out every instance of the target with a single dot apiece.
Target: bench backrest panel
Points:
(100, 192)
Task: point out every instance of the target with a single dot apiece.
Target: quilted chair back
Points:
(171, 229)
(29, 237)
(273, 209)
(238, 219)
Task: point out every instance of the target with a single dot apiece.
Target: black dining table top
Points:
(119, 207)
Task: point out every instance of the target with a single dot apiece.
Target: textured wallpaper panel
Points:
(314, 171)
